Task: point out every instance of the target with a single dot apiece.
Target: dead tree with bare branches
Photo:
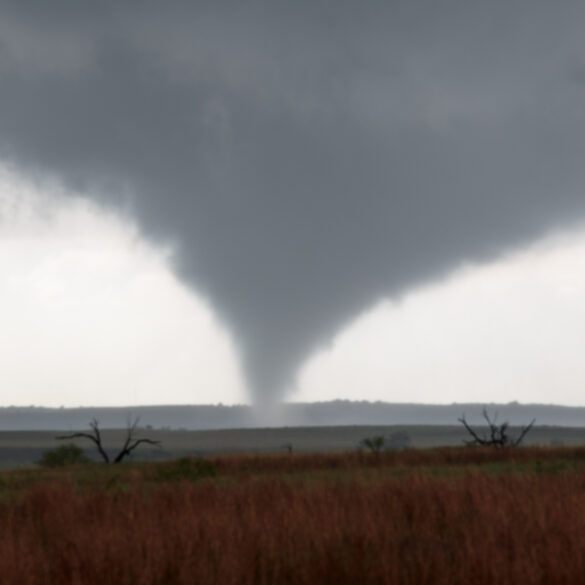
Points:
(130, 441)
(497, 435)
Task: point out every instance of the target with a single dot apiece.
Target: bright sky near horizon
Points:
(92, 314)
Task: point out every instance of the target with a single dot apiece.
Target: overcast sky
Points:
(243, 201)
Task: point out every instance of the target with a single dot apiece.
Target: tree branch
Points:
(498, 434)
(95, 438)
(476, 438)
(524, 432)
(130, 443)
(129, 448)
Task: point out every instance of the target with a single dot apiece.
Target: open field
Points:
(444, 516)
(19, 448)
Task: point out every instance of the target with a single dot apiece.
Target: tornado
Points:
(307, 158)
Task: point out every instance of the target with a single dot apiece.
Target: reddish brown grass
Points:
(474, 529)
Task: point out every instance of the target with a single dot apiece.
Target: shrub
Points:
(63, 455)
(374, 444)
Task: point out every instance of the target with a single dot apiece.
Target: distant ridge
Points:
(334, 413)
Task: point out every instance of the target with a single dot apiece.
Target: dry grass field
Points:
(451, 515)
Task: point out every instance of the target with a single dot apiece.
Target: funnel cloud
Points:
(308, 158)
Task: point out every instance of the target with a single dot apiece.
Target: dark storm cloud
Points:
(309, 157)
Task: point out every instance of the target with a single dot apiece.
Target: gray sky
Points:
(307, 159)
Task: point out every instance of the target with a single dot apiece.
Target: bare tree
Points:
(130, 442)
(497, 433)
